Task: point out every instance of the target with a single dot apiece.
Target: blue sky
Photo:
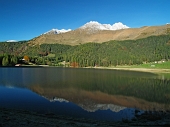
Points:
(26, 19)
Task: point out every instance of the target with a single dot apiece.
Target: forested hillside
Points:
(111, 53)
(121, 52)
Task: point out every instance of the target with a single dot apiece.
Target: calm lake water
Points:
(83, 93)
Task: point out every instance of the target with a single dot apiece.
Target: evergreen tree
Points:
(14, 60)
(5, 61)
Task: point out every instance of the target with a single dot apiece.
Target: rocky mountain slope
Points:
(96, 32)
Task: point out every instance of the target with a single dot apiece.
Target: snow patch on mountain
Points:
(57, 31)
(94, 25)
(12, 41)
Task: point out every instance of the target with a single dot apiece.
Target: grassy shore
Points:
(142, 69)
(163, 67)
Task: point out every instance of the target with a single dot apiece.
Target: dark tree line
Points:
(8, 60)
(126, 52)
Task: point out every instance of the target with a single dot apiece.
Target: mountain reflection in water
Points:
(90, 106)
(93, 89)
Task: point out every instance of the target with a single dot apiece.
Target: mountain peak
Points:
(94, 25)
(57, 31)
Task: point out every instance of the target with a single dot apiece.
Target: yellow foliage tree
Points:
(26, 58)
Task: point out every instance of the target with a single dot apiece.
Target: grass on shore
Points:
(163, 65)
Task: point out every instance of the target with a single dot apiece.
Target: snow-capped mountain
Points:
(12, 41)
(94, 31)
(94, 25)
(57, 31)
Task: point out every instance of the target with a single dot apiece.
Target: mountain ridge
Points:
(57, 31)
(84, 35)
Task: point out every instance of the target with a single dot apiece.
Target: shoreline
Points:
(12, 117)
(154, 70)
(136, 69)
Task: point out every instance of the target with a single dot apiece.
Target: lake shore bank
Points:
(12, 117)
(151, 70)
(148, 70)
(136, 69)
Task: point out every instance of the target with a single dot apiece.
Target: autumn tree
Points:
(26, 58)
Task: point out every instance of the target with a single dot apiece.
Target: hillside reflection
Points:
(126, 89)
(94, 89)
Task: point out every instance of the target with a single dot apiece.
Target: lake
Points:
(83, 93)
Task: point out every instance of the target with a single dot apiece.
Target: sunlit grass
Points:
(163, 65)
